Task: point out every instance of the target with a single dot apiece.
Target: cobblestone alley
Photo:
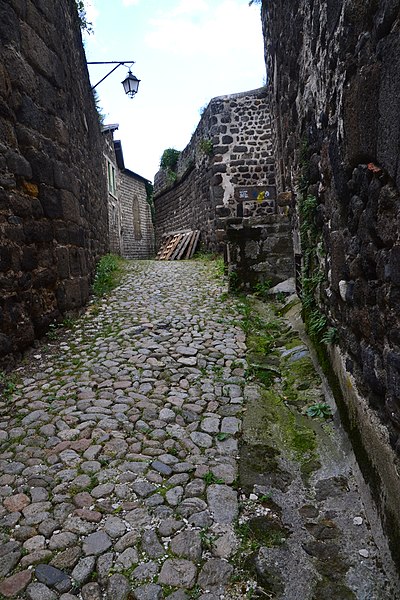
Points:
(119, 460)
(113, 437)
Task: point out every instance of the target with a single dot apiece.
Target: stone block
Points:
(30, 188)
(70, 207)
(41, 164)
(74, 262)
(223, 211)
(372, 366)
(393, 267)
(18, 165)
(76, 235)
(9, 26)
(220, 149)
(14, 233)
(73, 296)
(45, 278)
(29, 260)
(41, 58)
(61, 131)
(51, 202)
(5, 258)
(61, 233)
(41, 231)
(221, 168)
(65, 178)
(84, 284)
(27, 138)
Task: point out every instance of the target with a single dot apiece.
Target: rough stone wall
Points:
(229, 174)
(333, 67)
(259, 250)
(53, 210)
(137, 226)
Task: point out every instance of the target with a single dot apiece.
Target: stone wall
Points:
(53, 210)
(227, 163)
(137, 226)
(333, 67)
(259, 250)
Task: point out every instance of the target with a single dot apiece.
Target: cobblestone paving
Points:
(119, 447)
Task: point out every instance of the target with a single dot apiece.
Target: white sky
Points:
(185, 52)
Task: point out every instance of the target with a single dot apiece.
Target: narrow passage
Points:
(120, 475)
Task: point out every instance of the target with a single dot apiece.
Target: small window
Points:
(111, 179)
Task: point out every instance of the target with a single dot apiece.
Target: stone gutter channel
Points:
(154, 452)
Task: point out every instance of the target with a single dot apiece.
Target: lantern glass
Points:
(131, 84)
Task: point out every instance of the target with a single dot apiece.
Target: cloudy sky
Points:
(185, 52)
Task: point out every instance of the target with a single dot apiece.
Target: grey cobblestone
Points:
(112, 435)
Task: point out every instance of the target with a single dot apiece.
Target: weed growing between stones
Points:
(320, 409)
(195, 593)
(261, 289)
(108, 274)
(206, 146)
(210, 478)
(8, 385)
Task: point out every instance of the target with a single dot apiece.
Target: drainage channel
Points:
(307, 524)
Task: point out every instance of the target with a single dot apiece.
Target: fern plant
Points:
(316, 323)
(331, 336)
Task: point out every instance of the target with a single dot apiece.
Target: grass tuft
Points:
(108, 274)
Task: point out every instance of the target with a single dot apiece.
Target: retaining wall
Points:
(334, 71)
(231, 148)
(53, 198)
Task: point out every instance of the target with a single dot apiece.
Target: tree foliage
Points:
(101, 115)
(169, 159)
(84, 23)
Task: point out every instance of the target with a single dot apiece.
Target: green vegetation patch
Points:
(169, 163)
(8, 385)
(108, 274)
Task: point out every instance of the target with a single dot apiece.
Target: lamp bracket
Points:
(118, 63)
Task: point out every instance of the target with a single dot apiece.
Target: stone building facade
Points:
(113, 190)
(53, 200)
(335, 98)
(137, 230)
(225, 183)
(129, 212)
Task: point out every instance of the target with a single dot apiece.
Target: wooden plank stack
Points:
(177, 246)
